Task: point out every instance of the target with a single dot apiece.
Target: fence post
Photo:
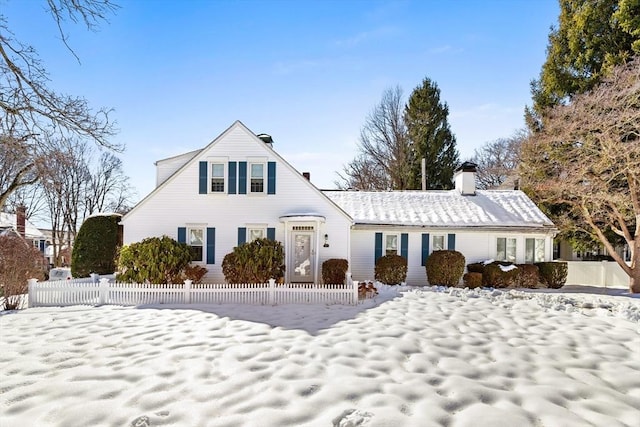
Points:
(32, 289)
(272, 291)
(354, 287)
(187, 291)
(103, 289)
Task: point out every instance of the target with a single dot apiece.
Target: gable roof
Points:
(488, 208)
(193, 156)
(10, 222)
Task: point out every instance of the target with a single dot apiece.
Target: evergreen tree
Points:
(592, 37)
(431, 138)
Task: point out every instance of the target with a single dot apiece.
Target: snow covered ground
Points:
(413, 357)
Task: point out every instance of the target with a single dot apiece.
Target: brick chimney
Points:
(21, 220)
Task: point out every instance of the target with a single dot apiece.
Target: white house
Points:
(238, 188)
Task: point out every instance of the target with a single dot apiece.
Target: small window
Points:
(256, 233)
(217, 178)
(438, 243)
(196, 243)
(534, 251)
(391, 244)
(506, 249)
(257, 178)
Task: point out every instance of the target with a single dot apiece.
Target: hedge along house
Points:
(234, 190)
(502, 225)
(238, 188)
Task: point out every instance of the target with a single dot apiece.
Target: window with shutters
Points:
(391, 244)
(195, 241)
(217, 178)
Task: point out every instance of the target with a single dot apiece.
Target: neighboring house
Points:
(19, 225)
(238, 188)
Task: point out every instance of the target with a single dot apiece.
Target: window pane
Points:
(391, 244)
(196, 236)
(529, 250)
(501, 249)
(217, 170)
(438, 243)
(256, 233)
(511, 250)
(539, 250)
(196, 253)
(257, 170)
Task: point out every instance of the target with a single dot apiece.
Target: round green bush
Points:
(445, 268)
(153, 260)
(254, 262)
(391, 269)
(96, 246)
(334, 271)
(553, 274)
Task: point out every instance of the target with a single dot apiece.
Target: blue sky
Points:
(178, 73)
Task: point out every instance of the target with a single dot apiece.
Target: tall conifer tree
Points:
(431, 138)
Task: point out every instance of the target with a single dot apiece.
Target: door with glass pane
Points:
(301, 262)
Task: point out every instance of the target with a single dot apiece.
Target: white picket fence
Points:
(71, 292)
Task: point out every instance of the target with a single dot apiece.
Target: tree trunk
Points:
(634, 282)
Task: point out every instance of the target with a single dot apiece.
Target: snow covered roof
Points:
(489, 208)
(9, 221)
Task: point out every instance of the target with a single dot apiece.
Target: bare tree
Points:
(107, 188)
(498, 161)
(30, 109)
(584, 165)
(384, 149)
(18, 166)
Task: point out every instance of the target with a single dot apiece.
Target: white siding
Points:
(177, 204)
(475, 245)
(167, 167)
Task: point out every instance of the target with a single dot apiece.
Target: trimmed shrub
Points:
(476, 267)
(194, 272)
(553, 274)
(472, 280)
(495, 277)
(334, 270)
(19, 262)
(528, 276)
(153, 260)
(95, 249)
(254, 262)
(445, 268)
(391, 269)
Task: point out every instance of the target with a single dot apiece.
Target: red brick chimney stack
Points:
(21, 219)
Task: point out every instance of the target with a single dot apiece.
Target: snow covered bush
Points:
(391, 269)
(254, 262)
(153, 260)
(19, 262)
(472, 280)
(553, 274)
(334, 270)
(95, 249)
(445, 268)
(500, 274)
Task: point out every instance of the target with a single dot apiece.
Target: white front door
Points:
(301, 261)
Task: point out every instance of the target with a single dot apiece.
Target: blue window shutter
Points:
(271, 233)
(232, 178)
(378, 248)
(404, 246)
(211, 245)
(182, 234)
(425, 248)
(242, 177)
(271, 178)
(451, 242)
(242, 235)
(42, 243)
(202, 189)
